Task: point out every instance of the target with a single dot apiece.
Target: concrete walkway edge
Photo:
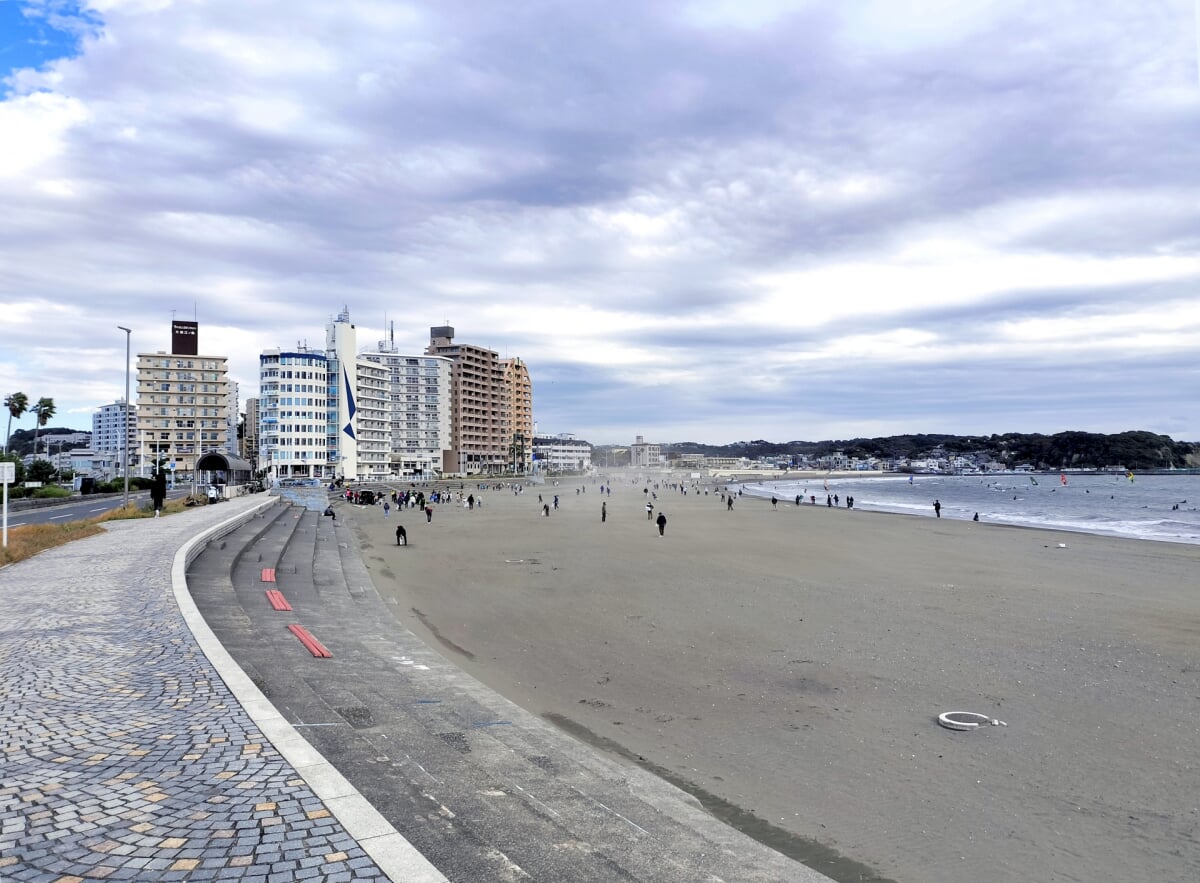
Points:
(394, 855)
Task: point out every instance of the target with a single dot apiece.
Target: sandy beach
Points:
(789, 664)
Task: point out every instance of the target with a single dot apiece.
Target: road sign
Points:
(8, 474)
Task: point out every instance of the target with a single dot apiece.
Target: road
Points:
(77, 509)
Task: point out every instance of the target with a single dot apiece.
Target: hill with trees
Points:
(1064, 450)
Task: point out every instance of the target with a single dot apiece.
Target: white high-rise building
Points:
(108, 424)
(341, 343)
(418, 409)
(293, 415)
(371, 421)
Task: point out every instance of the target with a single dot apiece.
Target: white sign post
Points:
(8, 474)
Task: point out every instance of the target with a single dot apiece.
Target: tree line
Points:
(1135, 449)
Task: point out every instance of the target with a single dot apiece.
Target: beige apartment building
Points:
(248, 448)
(518, 389)
(483, 420)
(182, 408)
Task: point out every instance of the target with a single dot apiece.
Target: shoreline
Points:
(792, 663)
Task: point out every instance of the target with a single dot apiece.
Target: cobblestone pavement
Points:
(123, 756)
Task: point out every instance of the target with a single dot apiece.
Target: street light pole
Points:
(125, 416)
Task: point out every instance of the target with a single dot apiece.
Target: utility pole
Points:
(125, 418)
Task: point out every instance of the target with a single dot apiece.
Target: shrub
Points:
(50, 491)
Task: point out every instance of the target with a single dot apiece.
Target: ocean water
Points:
(1151, 507)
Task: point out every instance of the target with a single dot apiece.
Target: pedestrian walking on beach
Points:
(387, 507)
(546, 509)
(556, 501)
(937, 508)
(401, 535)
(429, 514)
(774, 503)
(603, 512)
(661, 521)
(797, 499)
(649, 511)
(729, 504)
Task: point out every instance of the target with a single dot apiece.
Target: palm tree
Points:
(44, 409)
(17, 404)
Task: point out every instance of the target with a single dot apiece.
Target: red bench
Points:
(315, 647)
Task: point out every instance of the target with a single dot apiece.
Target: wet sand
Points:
(789, 665)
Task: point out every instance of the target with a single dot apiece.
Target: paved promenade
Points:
(123, 753)
(134, 747)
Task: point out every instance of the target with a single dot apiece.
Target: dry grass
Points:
(29, 539)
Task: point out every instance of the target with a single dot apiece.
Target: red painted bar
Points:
(315, 647)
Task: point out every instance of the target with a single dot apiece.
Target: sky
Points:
(702, 220)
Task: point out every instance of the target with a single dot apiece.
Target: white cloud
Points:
(35, 127)
(706, 207)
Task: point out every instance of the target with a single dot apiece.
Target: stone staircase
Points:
(483, 789)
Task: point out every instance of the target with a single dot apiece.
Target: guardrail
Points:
(39, 503)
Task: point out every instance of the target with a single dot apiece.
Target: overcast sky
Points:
(713, 220)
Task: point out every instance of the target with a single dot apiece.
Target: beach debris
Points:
(966, 720)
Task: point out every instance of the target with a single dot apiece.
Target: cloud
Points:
(696, 219)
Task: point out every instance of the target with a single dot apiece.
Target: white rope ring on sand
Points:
(966, 720)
